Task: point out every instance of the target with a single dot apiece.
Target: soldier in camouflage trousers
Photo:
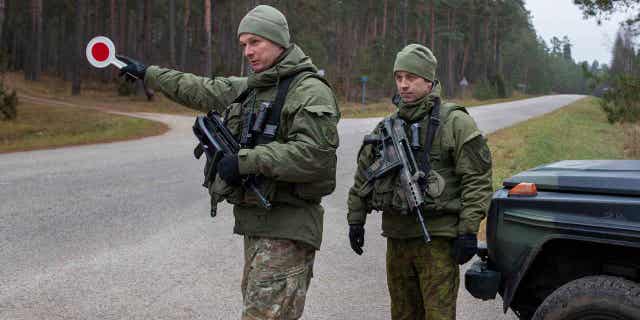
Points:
(295, 169)
(423, 278)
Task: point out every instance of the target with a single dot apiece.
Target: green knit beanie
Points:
(267, 22)
(417, 59)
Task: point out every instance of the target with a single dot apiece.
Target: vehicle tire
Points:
(592, 298)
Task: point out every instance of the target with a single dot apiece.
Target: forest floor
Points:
(544, 139)
(49, 117)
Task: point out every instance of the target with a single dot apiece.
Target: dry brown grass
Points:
(49, 117)
(472, 102)
(96, 95)
(46, 126)
(385, 107)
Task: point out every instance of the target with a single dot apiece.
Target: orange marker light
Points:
(524, 189)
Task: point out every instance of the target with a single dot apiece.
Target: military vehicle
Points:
(563, 242)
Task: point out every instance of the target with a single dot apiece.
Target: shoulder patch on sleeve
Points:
(478, 152)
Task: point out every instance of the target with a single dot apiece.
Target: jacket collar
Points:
(293, 60)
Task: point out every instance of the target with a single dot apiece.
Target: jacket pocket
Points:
(388, 195)
(266, 186)
(314, 191)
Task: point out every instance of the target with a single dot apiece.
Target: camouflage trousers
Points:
(422, 278)
(276, 277)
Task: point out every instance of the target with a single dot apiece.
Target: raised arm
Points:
(195, 92)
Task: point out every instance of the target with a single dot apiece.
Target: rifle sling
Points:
(271, 127)
(434, 123)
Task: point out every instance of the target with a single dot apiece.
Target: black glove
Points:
(464, 248)
(229, 170)
(134, 70)
(356, 237)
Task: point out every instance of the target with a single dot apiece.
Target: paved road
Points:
(121, 230)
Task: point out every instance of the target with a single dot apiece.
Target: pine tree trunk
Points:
(77, 48)
(384, 19)
(486, 49)
(140, 44)
(147, 30)
(123, 28)
(405, 22)
(172, 33)
(185, 34)
(2, 15)
(496, 41)
(113, 21)
(433, 26)
(207, 39)
(37, 54)
(96, 18)
(465, 58)
(113, 24)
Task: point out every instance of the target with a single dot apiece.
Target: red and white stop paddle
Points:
(101, 53)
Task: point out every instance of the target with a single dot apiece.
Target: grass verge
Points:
(41, 127)
(578, 131)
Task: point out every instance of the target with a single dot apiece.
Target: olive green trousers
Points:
(423, 279)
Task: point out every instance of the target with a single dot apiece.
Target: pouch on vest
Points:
(314, 191)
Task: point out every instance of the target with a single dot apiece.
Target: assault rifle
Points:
(397, 155)
(216, 141)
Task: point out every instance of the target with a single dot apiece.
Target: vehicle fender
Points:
(511, 287)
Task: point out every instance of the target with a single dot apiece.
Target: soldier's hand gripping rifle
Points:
(397, 155)
(216, 141)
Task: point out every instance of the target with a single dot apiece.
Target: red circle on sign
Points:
(100, 51)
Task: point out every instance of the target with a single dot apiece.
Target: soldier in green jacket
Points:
(423, 277)
(296, 169)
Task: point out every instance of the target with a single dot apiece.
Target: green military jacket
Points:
(297, 169)
(460, 184)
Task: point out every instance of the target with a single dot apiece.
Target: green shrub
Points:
(621, 101)
(126, 88)
(8, 104)
(485, 91)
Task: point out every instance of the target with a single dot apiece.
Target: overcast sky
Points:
(561, 17)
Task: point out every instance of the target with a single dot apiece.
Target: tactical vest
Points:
(442, 191)
(241, 118)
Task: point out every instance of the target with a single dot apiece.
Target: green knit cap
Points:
(267, 22)
(417, 59)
